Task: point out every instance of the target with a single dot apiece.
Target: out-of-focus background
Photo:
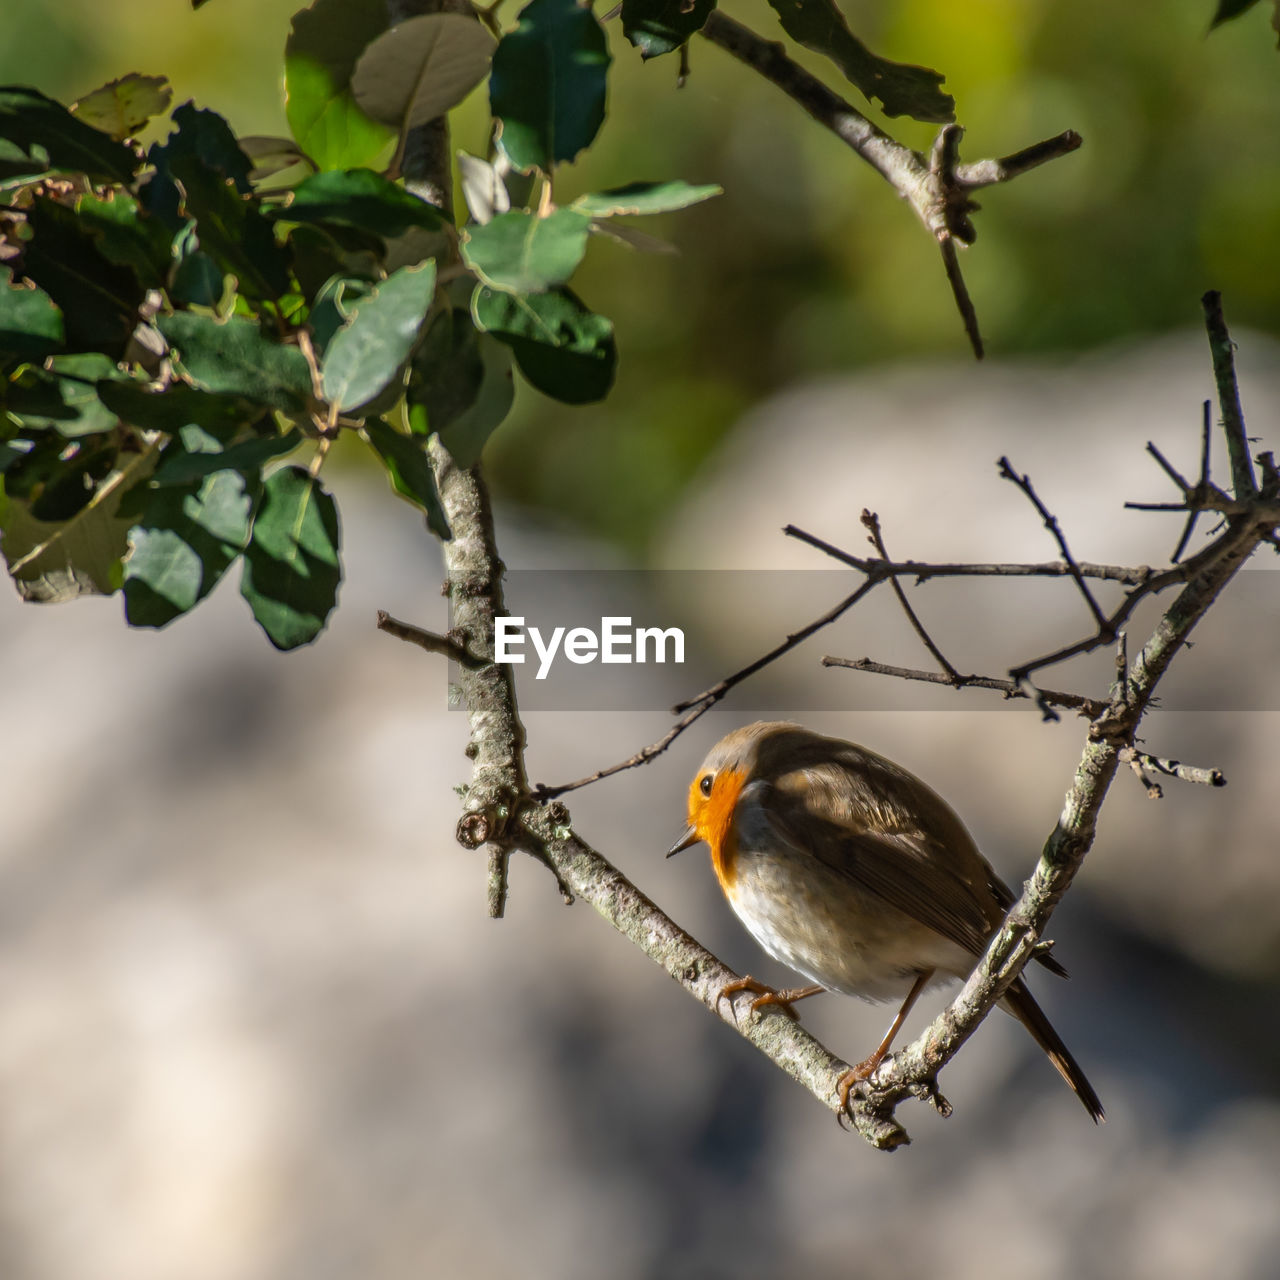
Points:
(253, 1021)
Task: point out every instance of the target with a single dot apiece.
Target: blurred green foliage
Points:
(809, 265)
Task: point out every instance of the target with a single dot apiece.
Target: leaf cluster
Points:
(186, 328)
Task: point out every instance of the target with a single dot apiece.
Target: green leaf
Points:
(30, 120)
(271, 155)
(204, 157)
(64, 398)
(183, 466)
(127, 236)
(446, 373)
(183, 543)
(291, 565)
(30, 324)
(656, 27)
(405, 458)
(121, 107)
(177, 406)
(1228, 9)
(902, 90)
(99, 299)
(357, 198)
(421, 68)
(564, 350)
(324, 44)
(55, 561)
(644, 197)
(465, 435)
(235, 358)
(522, 253)
(366, 353)
(548, 83)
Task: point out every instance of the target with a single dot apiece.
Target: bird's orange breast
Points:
(716, 825)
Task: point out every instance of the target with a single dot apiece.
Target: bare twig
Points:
(1070, 701)
(1051, 523)
(1224, 372)
(1134, 576)
(937, 189)
(450, 646)
(1139, 760)
(871, 522)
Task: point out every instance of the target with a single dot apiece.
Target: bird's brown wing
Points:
(877, 824)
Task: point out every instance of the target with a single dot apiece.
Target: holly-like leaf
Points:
(30, 324)
(291, 565)
(182, 544)
(121, 107)
(548, 83)
(324, 44)
(235, 358)
(564, 350)
(357, 198)
(421, 68)
(645, 197)
(902, 90)
(522, 253)
(656, 27)
(38, 125)
(51, 561)
(405, 459)
(366, 353)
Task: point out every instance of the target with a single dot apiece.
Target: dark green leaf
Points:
(323, 47)
(447, 371)
(236, 358)
(1228, 9)
(127, 236)
(465, 435)
(364, 355)
(644, 197)
(30, 120)
(182, 544)
(422, 68)
(30, 324)
(656, 27)
(182, 465)
(204, 157)
(548, 83)
(198, 281)
(522, 253)
(566, 351)
(903, 90)
(332, 308)
(357, 198)
(99, 299)
(121, 107)
(177, 406)
(291, 566)
(59, 560)
(320, 254)
(405, 458)
(64, 398)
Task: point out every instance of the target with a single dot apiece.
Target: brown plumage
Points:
(850, 870)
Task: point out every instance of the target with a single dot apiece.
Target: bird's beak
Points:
(687, 837)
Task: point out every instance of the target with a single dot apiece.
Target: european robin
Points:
(851, 871)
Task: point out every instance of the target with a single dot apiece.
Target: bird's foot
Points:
(765, 995)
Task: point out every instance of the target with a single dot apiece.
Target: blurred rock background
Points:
(253, 1022)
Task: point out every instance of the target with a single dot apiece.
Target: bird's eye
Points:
(705, 785)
